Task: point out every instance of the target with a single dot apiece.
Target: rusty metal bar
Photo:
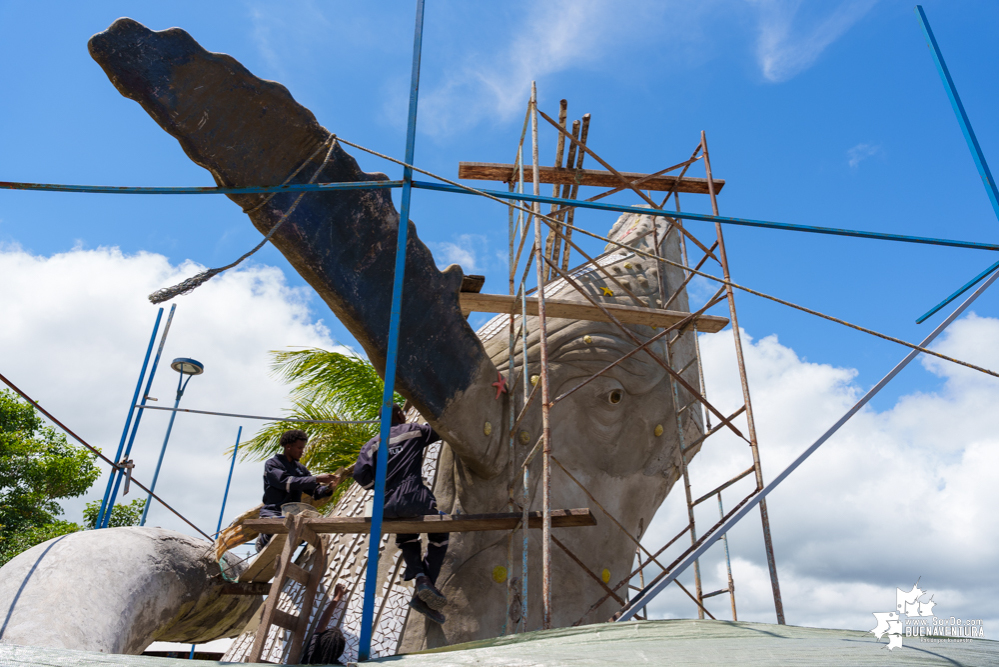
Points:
(678, 560)
(751, 425)
(606, 512)
(728, 561)
(718, 489)
(639, 348)
(691, 273)
(587, 570)
(624, 180)
(584, 134)
(551, 248)
(655, 357)
(540, 261)
(714, 430)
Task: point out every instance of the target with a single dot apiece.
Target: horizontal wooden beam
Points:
(579, 310)
(458, 523)
(505, 173)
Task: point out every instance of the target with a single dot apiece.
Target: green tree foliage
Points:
(328, 386)
(121, 515)
(37, 468)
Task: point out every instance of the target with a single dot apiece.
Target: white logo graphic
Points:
(920, 621)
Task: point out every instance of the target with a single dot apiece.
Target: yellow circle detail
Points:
(487, 428)
(499, 574)
(534, 379)
(605, 575)
(525, 437)
(587, 340)
(659, 430)
(627, 265)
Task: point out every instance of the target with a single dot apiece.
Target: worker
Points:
(328, 642)
(285, 479)
(407, 496)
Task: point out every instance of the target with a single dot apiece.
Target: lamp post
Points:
(187, 368)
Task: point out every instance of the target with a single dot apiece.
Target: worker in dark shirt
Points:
(407, 496)
(285, 479)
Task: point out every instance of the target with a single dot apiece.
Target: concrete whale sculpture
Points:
(118, 590)
(620, 435)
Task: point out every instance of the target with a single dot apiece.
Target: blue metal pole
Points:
(181, 386)
(653, 589)
(138, 418)
(232, 467)
(195, 190)
(128, 420)
(967, 286)
(703, 217)
(375, 538)
(442, 187)
(962, 116)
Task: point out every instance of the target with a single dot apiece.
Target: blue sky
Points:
(817, 113)
(826, 113)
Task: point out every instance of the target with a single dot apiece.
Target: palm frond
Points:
(326, 386)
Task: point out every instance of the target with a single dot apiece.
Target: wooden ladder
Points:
(309, 577)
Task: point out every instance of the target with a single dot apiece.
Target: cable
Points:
(97, 452)
(552, 223)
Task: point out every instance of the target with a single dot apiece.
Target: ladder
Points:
(308, 576)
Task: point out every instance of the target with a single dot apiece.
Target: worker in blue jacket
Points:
(407, 496)
(285, 479)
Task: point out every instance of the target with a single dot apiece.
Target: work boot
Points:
(426, 591)
(419, 605)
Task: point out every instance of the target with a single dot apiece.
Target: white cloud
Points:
(896, 495)
(861, 152)
(75, 327)
(463, 252)
(551, 37)
(284, 33)
(790, 41)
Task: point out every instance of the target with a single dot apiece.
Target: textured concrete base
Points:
(678, 642)
(116, 591)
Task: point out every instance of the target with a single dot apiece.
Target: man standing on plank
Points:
(407, 496)
(285, 479)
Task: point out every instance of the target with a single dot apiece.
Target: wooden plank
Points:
(491, 171)
(263, 566)
(248, 588)
(284, 619)
(472, 283)
(309, 535)
(578, 310)
(271, 612)
(317, 570)
(299, 574)
(459, 523)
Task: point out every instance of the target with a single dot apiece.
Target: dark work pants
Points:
(412, 554)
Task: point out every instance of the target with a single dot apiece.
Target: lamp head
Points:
(187, 366)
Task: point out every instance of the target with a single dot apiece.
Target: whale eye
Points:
(615, 396)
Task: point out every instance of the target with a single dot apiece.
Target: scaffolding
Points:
(549, 256)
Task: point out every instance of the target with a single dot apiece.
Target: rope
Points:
(552, 223)
(191, 284)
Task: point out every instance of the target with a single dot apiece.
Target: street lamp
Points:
(187, 368)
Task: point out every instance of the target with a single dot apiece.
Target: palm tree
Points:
(327, 386)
